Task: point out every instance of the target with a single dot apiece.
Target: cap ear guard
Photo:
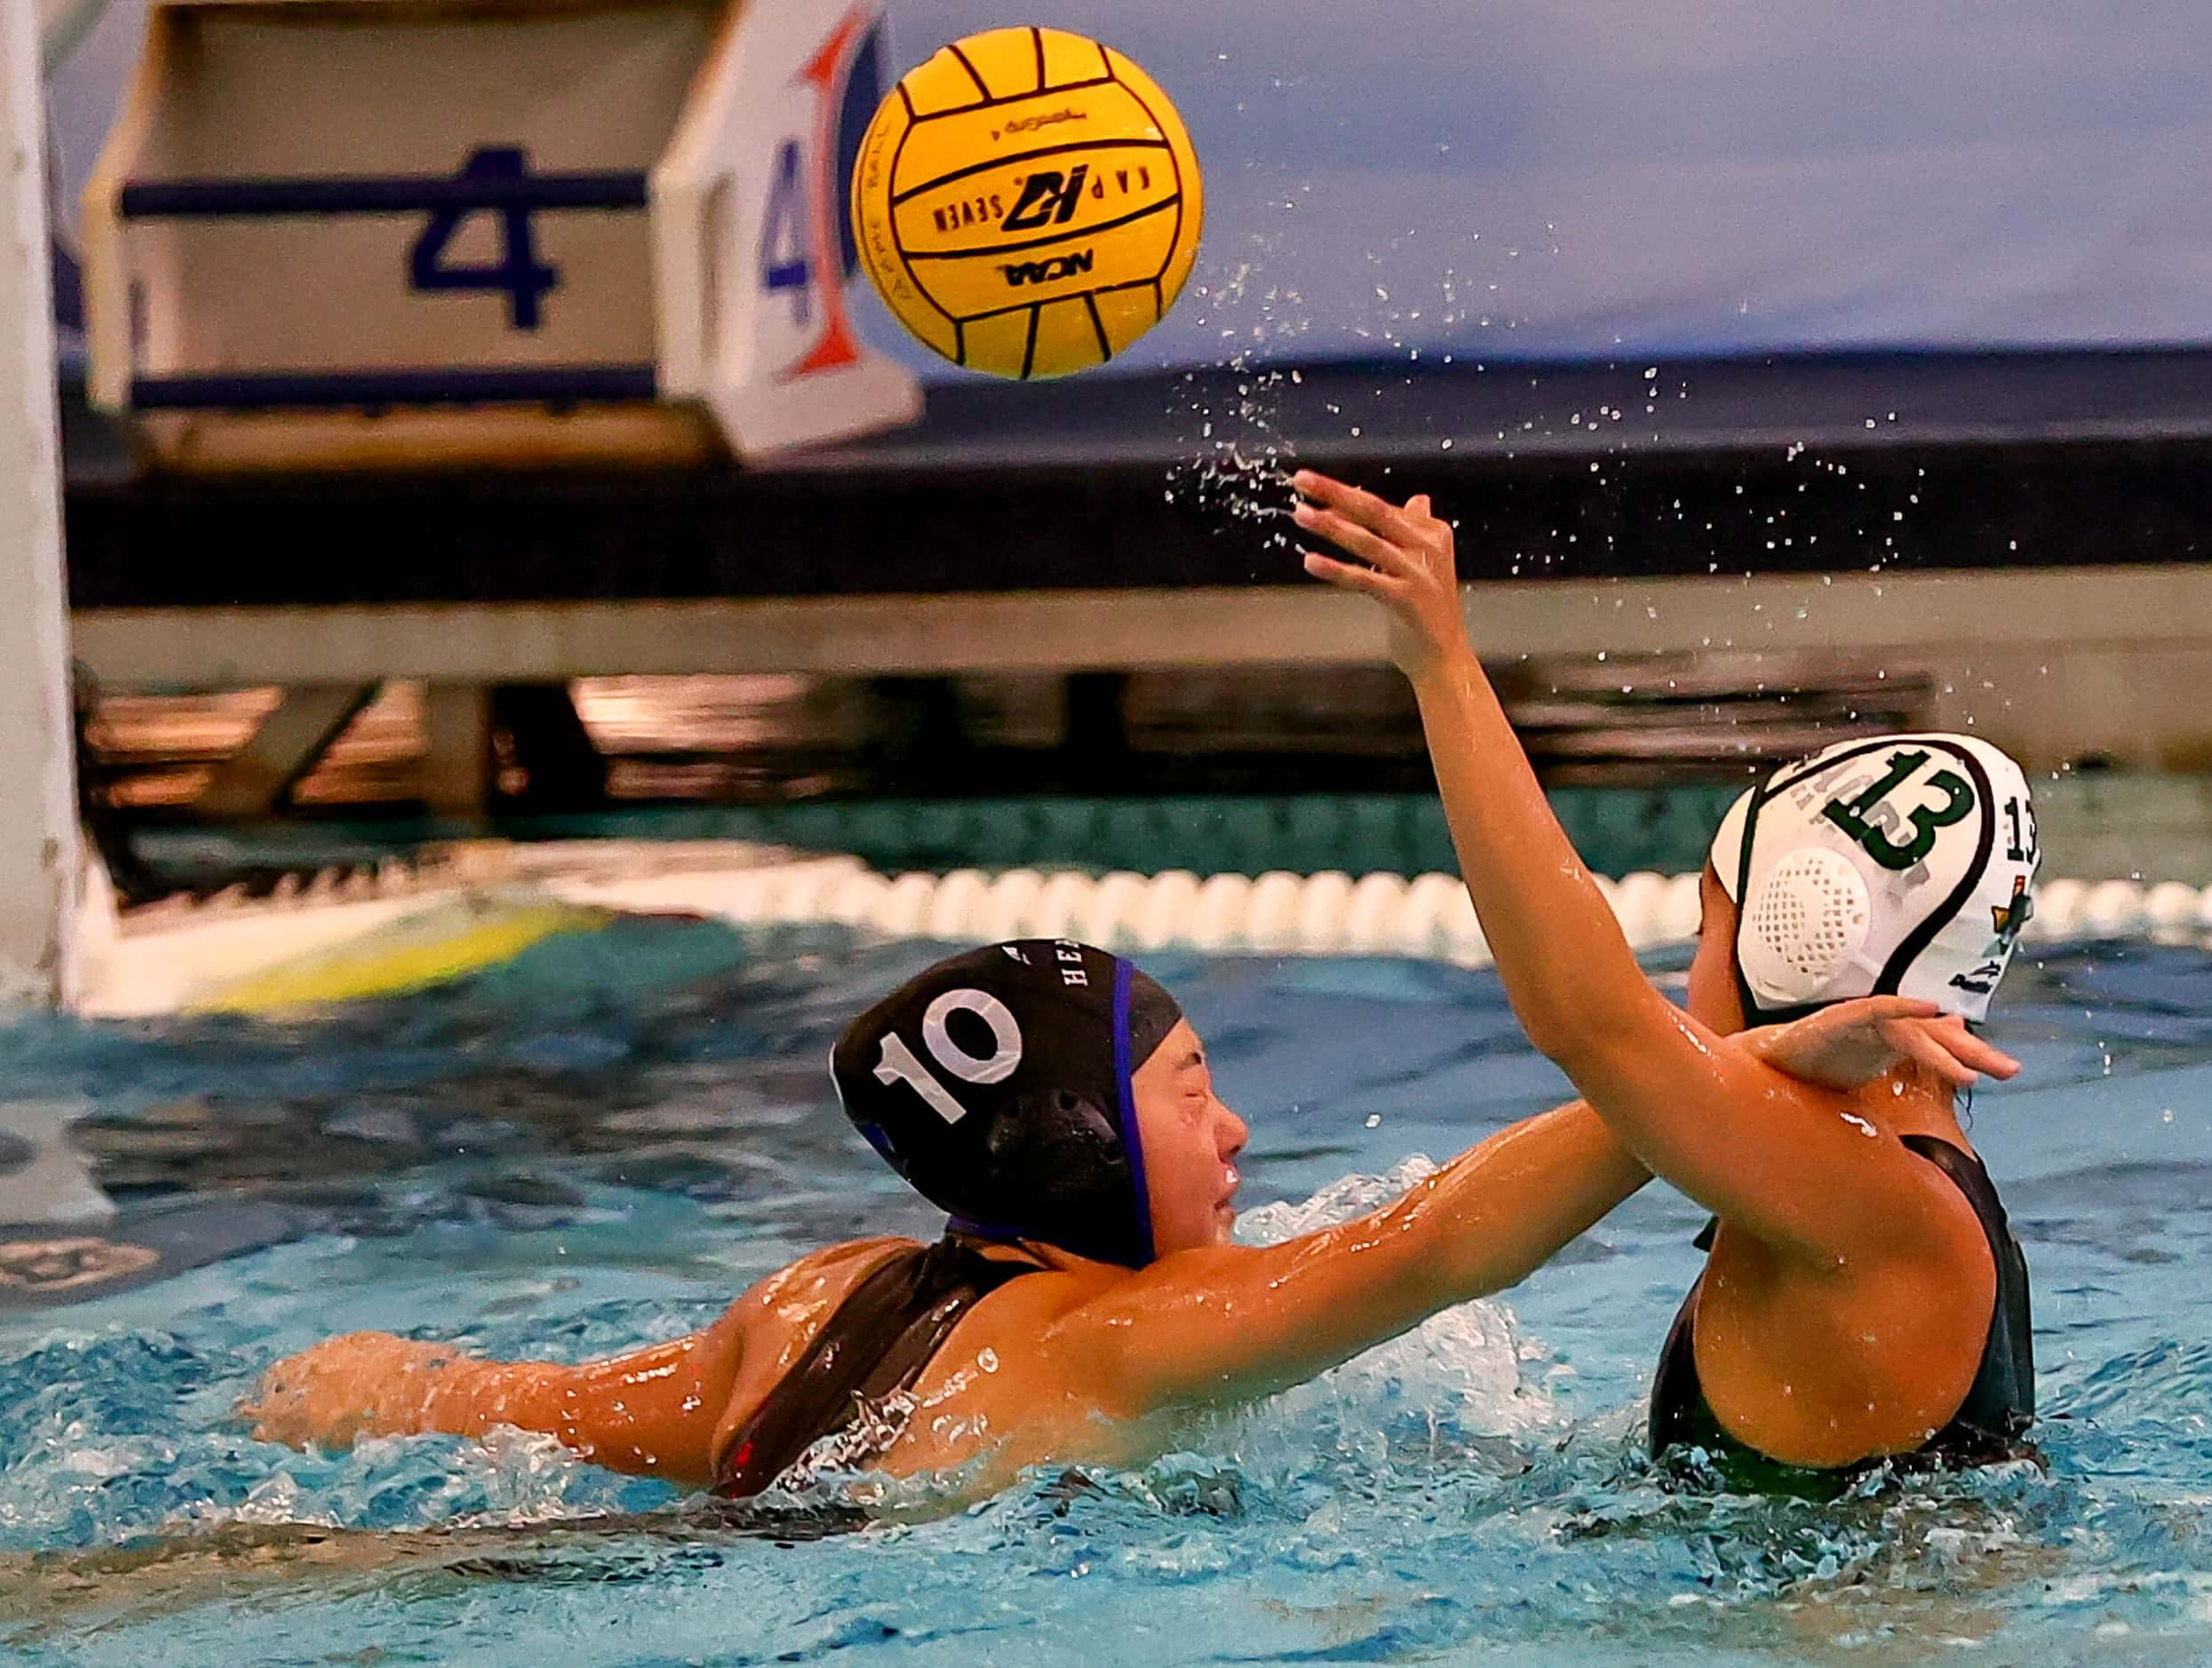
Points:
(1806, 924)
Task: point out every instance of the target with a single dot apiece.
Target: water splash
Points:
(1424, 1399)
(1239, 462)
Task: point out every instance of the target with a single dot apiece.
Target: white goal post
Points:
(39, 848)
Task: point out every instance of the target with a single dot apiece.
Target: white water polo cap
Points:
(1900, 866)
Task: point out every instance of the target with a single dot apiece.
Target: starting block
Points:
(418, 232)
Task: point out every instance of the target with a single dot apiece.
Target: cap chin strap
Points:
(1124, 1091)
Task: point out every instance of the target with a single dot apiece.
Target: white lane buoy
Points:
(854, 899)
(1420, 919)
(2058, 911)
(1464, 945)
(1109, 918)
(1371, 920)
(1011, 909)
(2112, 908)
(902, 910)
(1063, 899)
(1323, 904)
(1271, 915)
(956, 910)
(805, 896)
(1217, 916)
(1170, 904)
(1638, 904)
(749, 898)
(1683, 910)
(2170, 906)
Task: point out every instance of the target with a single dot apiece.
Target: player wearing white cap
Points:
(1864, 1298)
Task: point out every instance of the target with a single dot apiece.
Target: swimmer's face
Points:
(1713, 998)
(1190, 1145)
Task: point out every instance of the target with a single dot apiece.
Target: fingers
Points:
(1949, 1050)
(1971, 1051)
(1898, 1008)
(1352, 576)
(1972, 1054)
(1915, 1042)
(1339, 530)
(1378, 515)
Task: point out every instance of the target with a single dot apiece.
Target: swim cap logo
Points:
(2008, 918)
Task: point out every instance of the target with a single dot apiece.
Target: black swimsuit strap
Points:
(2000, 1405)
(876, 1343)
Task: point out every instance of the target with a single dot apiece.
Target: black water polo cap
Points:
(997, 1083)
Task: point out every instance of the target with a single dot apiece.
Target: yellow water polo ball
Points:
(1027, 202)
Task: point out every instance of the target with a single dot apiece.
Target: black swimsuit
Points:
(874, 1347)
(1989, 1425)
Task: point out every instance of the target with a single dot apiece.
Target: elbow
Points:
(1568, 1030)
(1588, 1022)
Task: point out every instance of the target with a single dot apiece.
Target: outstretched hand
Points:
(333, 1393)
(1404, 560)
(1855, 1043)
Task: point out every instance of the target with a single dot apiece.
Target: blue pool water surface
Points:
(601, 1143)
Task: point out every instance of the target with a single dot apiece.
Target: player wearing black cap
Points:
(1085, 1298)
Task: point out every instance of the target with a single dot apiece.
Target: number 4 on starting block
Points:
(599, 229)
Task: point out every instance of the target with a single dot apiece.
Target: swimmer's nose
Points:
(1233, 1128)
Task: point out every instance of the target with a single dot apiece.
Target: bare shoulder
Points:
(841, 1264)
(1095, 1308)
(763, 1332)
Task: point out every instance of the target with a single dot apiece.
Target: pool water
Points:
(602, 1142)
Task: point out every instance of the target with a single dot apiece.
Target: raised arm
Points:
(1697, 1107)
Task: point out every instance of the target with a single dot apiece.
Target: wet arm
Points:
(652, 1411)
(1699, 1110)
(1695, 1106)
(1227, 1323)
(1232, 1322)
